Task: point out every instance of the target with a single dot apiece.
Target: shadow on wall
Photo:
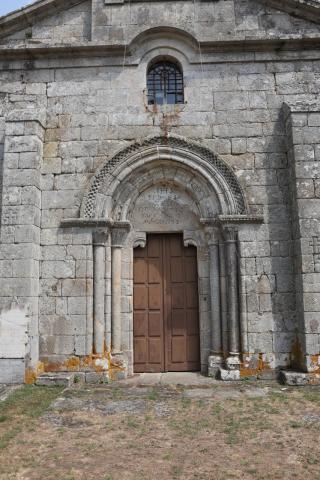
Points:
(288, 335)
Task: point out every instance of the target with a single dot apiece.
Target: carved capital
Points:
(119, 233)
(212, 234)
(230, 234)
(100, 237)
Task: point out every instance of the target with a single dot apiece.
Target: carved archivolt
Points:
(131, 171)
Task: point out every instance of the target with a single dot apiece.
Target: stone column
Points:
(223, 298)
(232, 296)
(118, 236)
(216, 355)
(99, 240)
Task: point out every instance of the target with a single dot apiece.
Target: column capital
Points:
(230, 234)
(100, 237)
(212, 234)
(119, 232)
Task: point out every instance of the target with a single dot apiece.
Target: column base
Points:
(231, 372)
(118, 365)
(214, 364)
(233, 362)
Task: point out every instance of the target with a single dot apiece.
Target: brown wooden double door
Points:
(165, 302)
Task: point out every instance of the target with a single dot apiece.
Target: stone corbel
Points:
(193, 238)
(139, 239)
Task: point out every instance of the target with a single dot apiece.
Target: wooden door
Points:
(165, 302)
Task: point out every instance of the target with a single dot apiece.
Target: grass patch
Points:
(23, 407)
(153, 395)
(186, 402)
(312, 396)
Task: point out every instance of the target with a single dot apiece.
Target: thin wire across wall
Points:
(126, 40)
(195, 4)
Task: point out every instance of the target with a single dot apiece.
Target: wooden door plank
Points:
(182, 336)
(148, 331)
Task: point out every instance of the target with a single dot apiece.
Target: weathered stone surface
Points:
(97, 377)
(229, 375)
(296, 379)
(55, 380)
(12, 371)
(74, 145)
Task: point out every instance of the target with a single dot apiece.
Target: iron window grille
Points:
(165, 84)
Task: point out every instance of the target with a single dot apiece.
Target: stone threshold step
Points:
(66, 379)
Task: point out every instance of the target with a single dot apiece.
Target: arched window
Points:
(165, 83)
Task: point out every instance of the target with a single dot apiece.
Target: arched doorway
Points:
(162, 187)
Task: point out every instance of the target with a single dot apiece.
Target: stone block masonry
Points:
(88, 169)
(20, 251)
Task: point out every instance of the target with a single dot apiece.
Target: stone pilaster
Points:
(20, 241)
(303, 141)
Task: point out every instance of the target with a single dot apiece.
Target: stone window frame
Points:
(177, 92)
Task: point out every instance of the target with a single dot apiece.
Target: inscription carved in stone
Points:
(164, 206)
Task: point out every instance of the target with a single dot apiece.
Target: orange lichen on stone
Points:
(73, 364)
(97, 363)
(315, 364)
(32, 374)
(247, 371)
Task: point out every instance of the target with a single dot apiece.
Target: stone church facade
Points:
(160, 187)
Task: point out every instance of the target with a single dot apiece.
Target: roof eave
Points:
(26, 16)
(305, 9)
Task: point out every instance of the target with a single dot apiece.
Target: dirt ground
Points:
(129, 432)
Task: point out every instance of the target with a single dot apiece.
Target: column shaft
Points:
(116, 298)
(233, 304)
(216, 336)
(89, 294)
(98, 297)
(223, 299)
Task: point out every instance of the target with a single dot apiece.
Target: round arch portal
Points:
(200, 163)
(168, 185)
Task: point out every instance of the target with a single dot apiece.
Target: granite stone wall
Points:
(62, 117)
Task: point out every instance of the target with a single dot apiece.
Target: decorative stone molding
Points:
(168, 147)
(85, 222)
(234, 219)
